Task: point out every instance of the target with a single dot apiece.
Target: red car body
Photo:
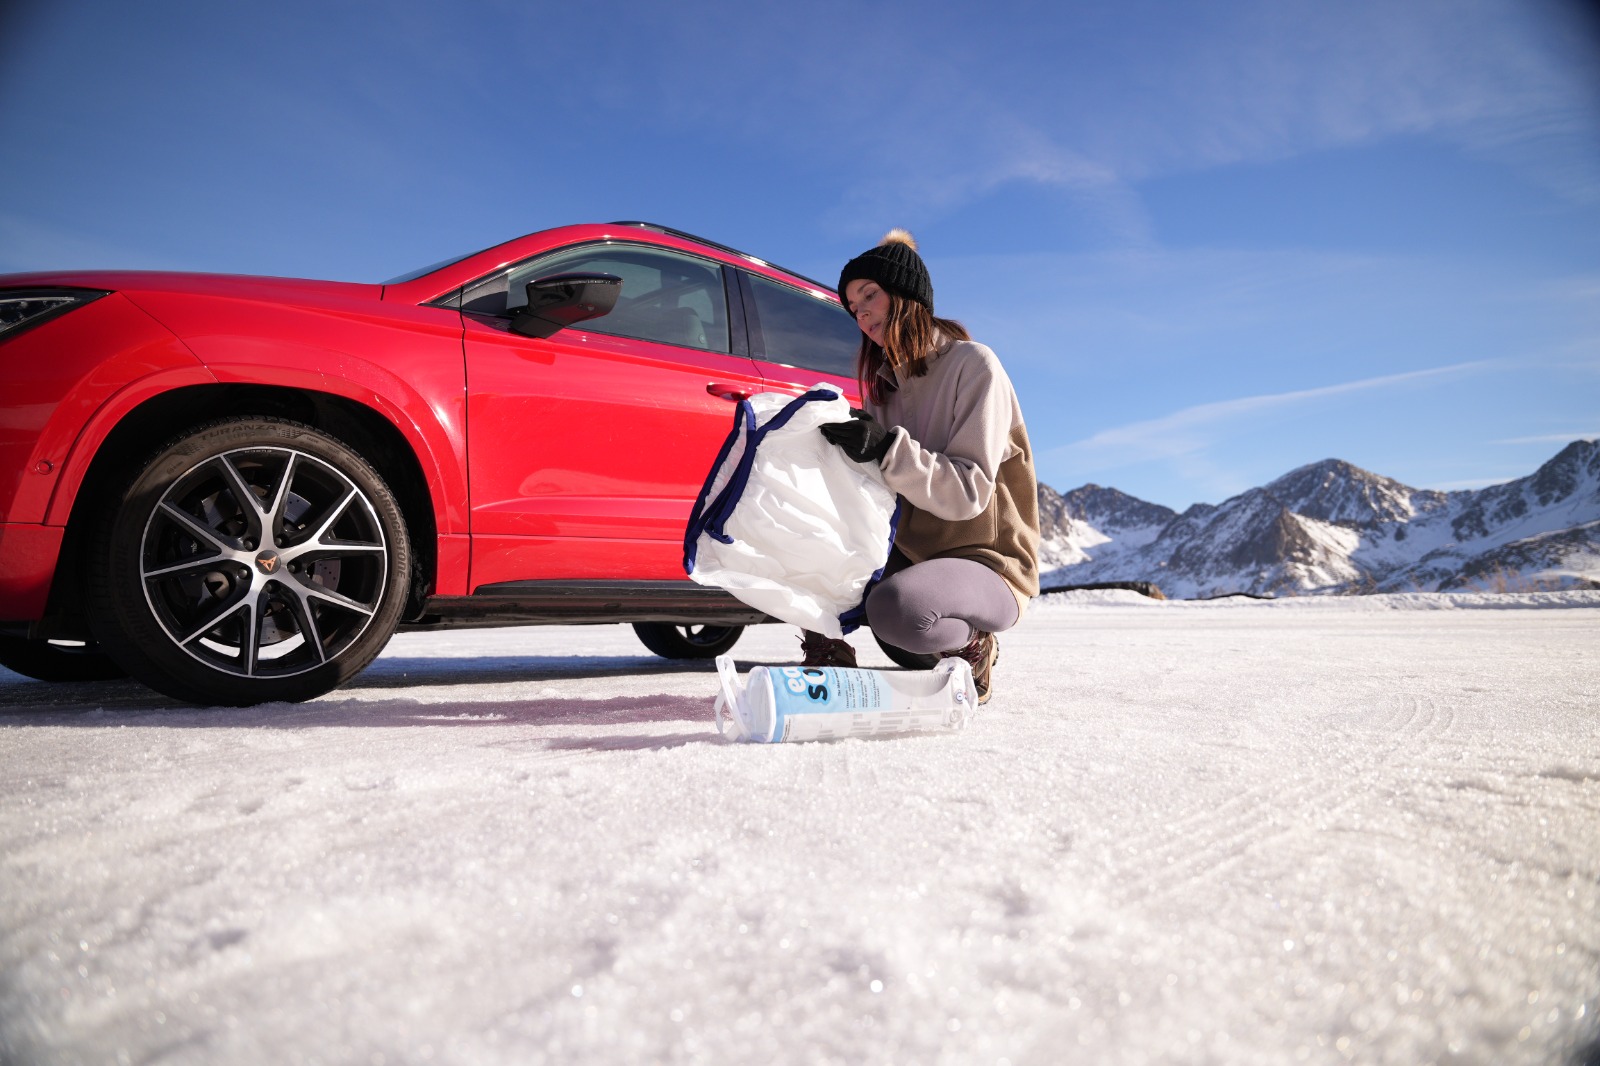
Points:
(541, 478)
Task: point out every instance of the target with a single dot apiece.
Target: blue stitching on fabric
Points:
(723, 509)
(698, 515)
(856, 617)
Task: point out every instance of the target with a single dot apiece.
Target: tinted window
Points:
(799, 329)
(666, 297)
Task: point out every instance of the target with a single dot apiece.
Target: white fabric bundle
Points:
(787, 522)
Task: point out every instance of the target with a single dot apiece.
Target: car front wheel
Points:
(251, 560)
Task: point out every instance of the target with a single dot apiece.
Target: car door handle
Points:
(731, 393)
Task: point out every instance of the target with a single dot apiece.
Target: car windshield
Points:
(431, 267)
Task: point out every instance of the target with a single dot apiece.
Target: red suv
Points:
(235, 489)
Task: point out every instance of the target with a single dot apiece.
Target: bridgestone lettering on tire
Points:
(252, 560)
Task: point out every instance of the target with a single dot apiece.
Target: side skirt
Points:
(585, 603)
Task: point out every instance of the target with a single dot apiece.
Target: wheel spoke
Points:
(312, 590)
(193, 563)
(280, 498)
(197, 528)
(318, 543)
(249, 503)
(250, 637)
(306, 618)
(334, 514)
(221, 615)
(334, 550)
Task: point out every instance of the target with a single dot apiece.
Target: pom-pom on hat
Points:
(895, 265)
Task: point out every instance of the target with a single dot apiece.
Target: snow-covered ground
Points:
(1361, 830)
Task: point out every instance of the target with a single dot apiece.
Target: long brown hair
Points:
(908, 335)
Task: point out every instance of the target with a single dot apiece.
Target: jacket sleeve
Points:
(958, 483)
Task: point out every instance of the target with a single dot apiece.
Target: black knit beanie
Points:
(895, 265)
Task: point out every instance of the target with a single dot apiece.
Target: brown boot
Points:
(981, 653)
(826, 651)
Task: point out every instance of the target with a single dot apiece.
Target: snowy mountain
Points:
(1091, 517)
(1331, 527)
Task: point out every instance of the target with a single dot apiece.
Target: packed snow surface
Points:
(1357, 830)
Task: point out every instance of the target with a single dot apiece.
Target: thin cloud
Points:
(1471, 483)
(1275, 80)
(1193, 429)
(1550, 438)
(1107, 203)
(1252, 84)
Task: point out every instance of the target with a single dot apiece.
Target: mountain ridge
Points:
(1333, 528)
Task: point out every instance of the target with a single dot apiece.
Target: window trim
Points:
(455, 299)
(758, 339)
(752, 317)
(740, 334)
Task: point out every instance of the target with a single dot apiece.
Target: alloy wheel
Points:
(263, 562)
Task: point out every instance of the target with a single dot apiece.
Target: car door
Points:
(799, 337)
(586, 449)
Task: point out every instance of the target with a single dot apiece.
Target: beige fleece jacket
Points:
(960, 459)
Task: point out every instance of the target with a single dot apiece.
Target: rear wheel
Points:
(687, 642)
(251, 560)
(57, 660)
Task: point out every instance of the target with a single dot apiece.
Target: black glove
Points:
(862, 438)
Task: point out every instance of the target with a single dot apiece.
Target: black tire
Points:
(44, 661)
(687, 642)
(909, 659)
(251, 560)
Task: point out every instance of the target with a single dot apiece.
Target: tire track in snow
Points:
(1213, 838)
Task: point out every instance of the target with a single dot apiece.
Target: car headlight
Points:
(24, 308)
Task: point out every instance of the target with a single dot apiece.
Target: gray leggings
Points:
(936, 605)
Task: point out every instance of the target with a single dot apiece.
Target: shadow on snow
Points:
(25, 702)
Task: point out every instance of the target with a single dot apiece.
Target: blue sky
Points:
(1211, 242)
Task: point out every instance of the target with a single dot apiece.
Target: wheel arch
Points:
(153, 423)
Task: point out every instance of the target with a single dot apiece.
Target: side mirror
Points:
(562, 300)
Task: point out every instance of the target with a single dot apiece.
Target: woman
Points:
(943, 423)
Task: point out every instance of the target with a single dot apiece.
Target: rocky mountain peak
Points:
(1106, 508)
(1575, 467)
(1344, 494)
(1570, 479)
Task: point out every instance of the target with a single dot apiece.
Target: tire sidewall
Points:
(131, 634)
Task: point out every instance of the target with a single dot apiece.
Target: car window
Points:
(802, 330)
(666, 296)
(422, 272)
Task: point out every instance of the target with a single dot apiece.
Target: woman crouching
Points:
(942, 421)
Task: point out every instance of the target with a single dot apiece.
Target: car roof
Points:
(726, 248)
(437, 282)
(453, 275)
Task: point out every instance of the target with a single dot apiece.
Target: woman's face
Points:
(870, 304)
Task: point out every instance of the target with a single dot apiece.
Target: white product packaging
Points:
(788, 523)
(788, 703)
